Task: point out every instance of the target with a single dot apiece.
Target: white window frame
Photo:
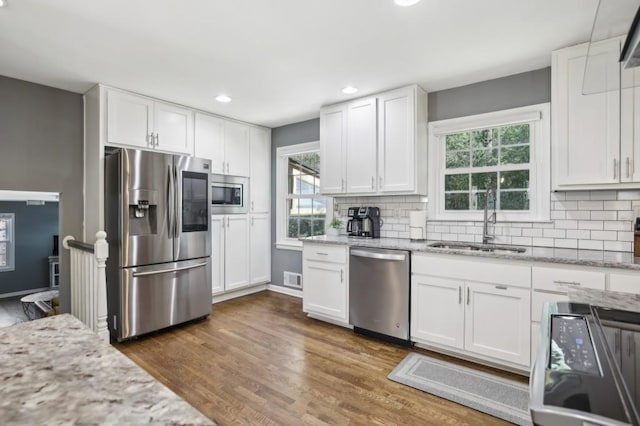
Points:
(11, 264)
(282, 162)
(538, 116)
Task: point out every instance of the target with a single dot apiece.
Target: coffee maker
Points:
(364, 222)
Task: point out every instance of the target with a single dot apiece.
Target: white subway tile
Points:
(566, 224)
(617, 205)
(579, 234)
(578, 214)
(442, 228)
(450, 237)
(565, 205)
(391, 234)
(565, 243)
(626, 215)
(628, 195)
(467, 238)
(590, 205)
(618, 246)
(533, 232)
(623, 225)
(604, 235)
(513, 232)
(501, 239)
(603, 195)
(554, 233)
(590, 244)
(404, 235)
(558, 214)
(604, 215)
(434, 236)
(521, 241)
(558, 196)
(591, 224)
(578, 195)
(542, 242)
(625, 236)
(474, 229)
(457, 229)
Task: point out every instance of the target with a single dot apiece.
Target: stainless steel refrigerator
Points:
(158, 224)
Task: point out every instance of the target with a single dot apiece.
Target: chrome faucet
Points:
(485, 229)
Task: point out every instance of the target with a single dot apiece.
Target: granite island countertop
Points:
(56, 371)
(595, 258)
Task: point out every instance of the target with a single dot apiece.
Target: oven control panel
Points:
(571, 345)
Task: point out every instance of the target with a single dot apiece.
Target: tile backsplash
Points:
(595, 220)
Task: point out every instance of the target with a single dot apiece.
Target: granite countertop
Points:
(56, 371)
(597, 258)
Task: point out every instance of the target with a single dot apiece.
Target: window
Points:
(7, 242)
(301, 210)
(507, 151)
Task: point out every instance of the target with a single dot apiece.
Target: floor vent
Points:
(291, 279)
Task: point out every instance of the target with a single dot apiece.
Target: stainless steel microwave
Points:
(229, 194)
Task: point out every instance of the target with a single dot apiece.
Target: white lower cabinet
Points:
(535, 340)
(230, 252)
(260, 239)
(325, 282)
(487, 320)
(497, 322)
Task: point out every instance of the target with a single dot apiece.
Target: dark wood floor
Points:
(259, 360)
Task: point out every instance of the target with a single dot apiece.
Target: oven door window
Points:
(226, 195)
(195, 202)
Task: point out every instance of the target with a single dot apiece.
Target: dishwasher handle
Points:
(376, 255)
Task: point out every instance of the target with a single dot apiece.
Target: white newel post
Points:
(101, 252)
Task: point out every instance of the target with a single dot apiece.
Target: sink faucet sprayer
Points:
(485, 229)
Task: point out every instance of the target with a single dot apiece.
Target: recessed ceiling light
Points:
(405, 3)
(220, 98)
(3, 3)
(349, 90)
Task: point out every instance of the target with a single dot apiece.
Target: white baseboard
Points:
(329, 320)
(22, 292)
(285, 290)
(238, 293)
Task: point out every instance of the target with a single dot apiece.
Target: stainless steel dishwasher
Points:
(379, 293)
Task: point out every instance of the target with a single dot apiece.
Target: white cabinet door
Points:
(237, 148)
(260, 248)
(498, 322)
(260, 184)
(361, 146)
(586, 127)
(209, 140)
(630, 126)
(174, 128)
(396, 140)
(236, 251)
(325, 289)
(535, 340)
(217, 254)
(333, 134)
(437, 310)
(129, 120)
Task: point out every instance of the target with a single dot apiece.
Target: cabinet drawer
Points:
(479, 270)
(325, 253)
(538, 299)
(625, 282)
(559, 279)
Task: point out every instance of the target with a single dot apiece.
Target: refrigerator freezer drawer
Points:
(158, 296)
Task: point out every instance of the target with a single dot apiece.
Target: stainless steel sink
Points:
(493, 248)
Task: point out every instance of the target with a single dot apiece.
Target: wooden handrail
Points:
(70, 242)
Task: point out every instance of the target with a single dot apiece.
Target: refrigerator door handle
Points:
(178, 204)
(171, 202)
(166, 271)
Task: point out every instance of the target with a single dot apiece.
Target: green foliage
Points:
(335, 224)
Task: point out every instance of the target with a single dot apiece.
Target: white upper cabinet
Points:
(141, 122)
(129, 120)
(209, 137)
(630, 126)
(173, 128)
(260, 182)
(397, 148)
(237, 148)
(333, 136)
(375, 145)
(361, 146)
(595, 145)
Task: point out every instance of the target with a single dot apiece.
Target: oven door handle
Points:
(167, 271)
(375, 255)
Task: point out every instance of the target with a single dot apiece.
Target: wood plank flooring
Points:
(259, 360)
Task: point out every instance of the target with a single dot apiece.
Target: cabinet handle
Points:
(227, 221)
(468, 296)
(381, 182)
(252, 220)
(341, 275)
(629, 344)
(566, 282)
(615, 168)
(459, 295)
(322, 254)
(150, 139)
(373, 182)
(501, 287)
(157, 140)
(628, 167)
(252, 206)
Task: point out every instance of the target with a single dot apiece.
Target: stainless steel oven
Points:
(229, 194)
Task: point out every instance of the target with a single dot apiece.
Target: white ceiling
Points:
(280, 60)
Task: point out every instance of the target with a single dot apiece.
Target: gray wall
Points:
(513, 91)
(35, 227)
(305, 131)
(41, 140)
